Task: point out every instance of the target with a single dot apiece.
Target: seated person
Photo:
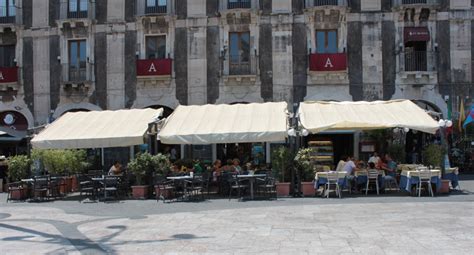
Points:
(390, 168)
(237, 169)
(115, 169)
(340, 165)
(350, 169)
(372, 166)
(216, 169)
(228, 167)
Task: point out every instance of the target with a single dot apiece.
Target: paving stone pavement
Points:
(364, 225)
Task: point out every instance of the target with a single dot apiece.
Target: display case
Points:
(323, 152)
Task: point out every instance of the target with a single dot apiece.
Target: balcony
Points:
(79, 18)
(408, 3)
(240, 70)
(418, 61)
(324, 3)
(8, 78)
(239, 4)
(156, 9)
(74, 76)
(7, 19)
(327, 62)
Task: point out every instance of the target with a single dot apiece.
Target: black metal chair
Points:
(41, 187)
(164, 188)
(110, 187)
(268, 187)
(236, 184)
(194, 188)
(86, 186)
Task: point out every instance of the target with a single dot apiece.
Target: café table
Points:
(321, 178)
(251, 178)
(410, 177)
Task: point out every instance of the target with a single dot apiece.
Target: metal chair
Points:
(268, 186)
(332, 180)
(424, 176)
(164, 189)
(86, 186)
(41, 187)
(110, 186)
(372, 177)
(16, 187)
(235, 184)
(194, 188)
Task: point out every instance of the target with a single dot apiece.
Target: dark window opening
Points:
(415, 56)
(77, 9)
(155, 6)
(77, 60)
(7, 11)
(414, 1)
(7, 56)
(156, 47)
(239, 53)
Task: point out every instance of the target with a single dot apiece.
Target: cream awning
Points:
(97, 129)
(320, 116)
(238, 123)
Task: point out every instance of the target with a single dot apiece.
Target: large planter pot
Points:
(74, 184)
(140, 192)
(19, 194)
(68, 181)
(308, 189)
(283, 189)
(444, 187)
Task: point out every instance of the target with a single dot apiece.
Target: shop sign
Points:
(153, 67)
(328, 62)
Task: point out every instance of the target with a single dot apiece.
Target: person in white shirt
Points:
(375, 158)
(349, 167)
(115, 169)
(341, 163)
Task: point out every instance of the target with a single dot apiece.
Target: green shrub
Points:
(18, 167)
(144, 164)
(281, 163)
(304, 163)
(61, 161)
(433, 155)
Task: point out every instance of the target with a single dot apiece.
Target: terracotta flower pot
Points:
(140, 192)
(444, 187)
(283, 189)
(74, 184)
(308, 189)
(20, 194)
(68, 181)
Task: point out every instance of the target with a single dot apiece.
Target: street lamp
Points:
(443, 124)
(295, 132)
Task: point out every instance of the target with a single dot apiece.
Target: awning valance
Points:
(416, 34)
(320, 116)
(223, 123)
(97, 129)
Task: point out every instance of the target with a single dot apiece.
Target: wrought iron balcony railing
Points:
(239, 4)
(397, 3)
(159, 9)
(243, 65)
(418, 61)
(322, 3)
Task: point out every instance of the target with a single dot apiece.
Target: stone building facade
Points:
(66, 55)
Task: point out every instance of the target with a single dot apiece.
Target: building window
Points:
(77, 9)
(326, 41)
(77, 60)
(155, 6)
(156, 47)
(7, 56)
(235, 4)
(7, 11)
(325, 2)
(239, 53)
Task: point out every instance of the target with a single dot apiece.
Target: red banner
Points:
(150, 67)
(328, 62)
(8, 74)
(416, 34)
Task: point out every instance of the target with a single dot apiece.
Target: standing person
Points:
(374, 159)
(115, 169)
(173, 154)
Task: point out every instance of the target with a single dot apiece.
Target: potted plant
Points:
(433, 156)
(281, 163)
(76, 164)
(141, 166)
(305, 170)
(162, 168)
(19, 168)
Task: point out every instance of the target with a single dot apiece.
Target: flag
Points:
(470, 117)
(462, 115)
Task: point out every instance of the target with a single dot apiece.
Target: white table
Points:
(184, 177)
(251, 178)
